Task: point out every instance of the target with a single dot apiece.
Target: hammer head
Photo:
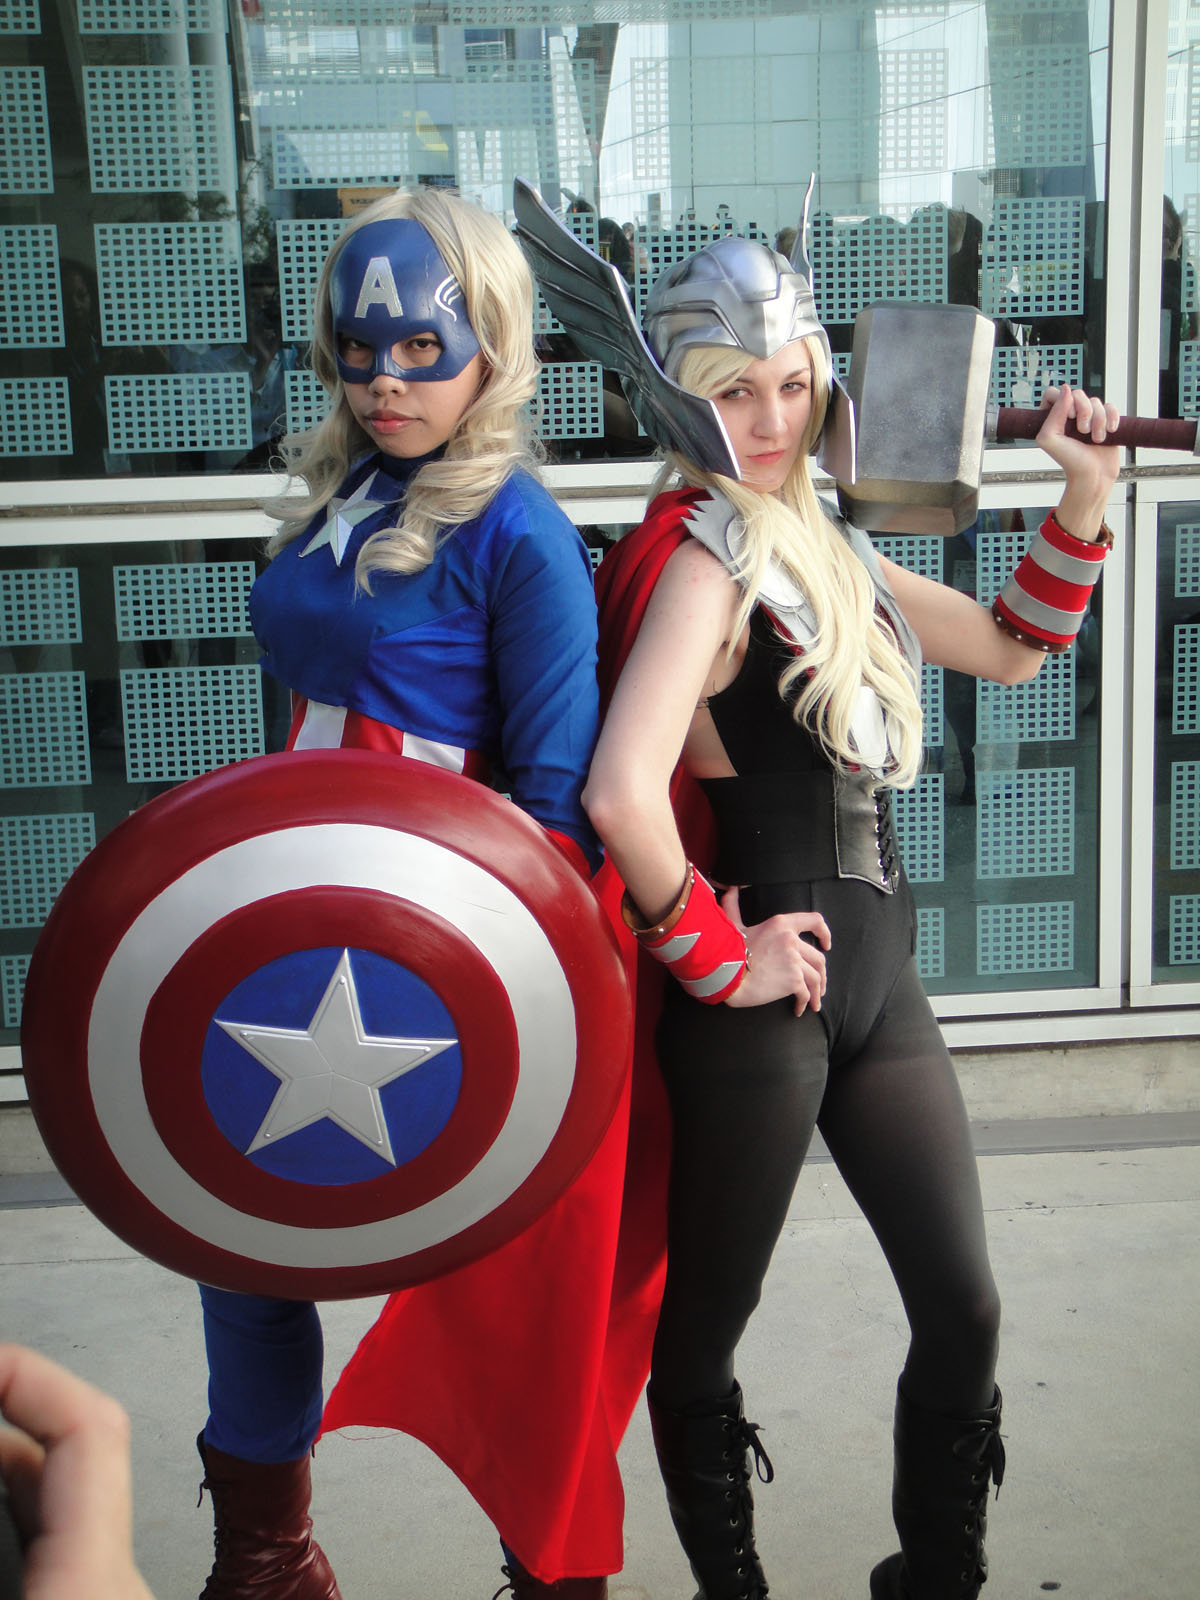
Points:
(919, 381)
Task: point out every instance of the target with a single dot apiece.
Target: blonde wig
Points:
(492, 438)
(853, 644)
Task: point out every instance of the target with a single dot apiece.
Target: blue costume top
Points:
(490, 651)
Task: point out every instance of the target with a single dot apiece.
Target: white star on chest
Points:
(333, 1068)
(344, 516)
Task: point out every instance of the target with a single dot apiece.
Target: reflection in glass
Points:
(171, 177)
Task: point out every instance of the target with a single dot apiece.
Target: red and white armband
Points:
(696, 941)
(1045, 601)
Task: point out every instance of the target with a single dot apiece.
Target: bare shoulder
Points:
(693, 576)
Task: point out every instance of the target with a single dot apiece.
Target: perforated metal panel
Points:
(1026, 823)
(917, 554)
(880, 258)
(43, 730)
(31, 305)
(157, 129)
(170, 283)
(1186, 697)
(150, 16)
(179, 411)
(1033, 258)
(1034, 128)
(13, 972)
(510, 117)
(912, 123)
(650, 99)
(570, 400)
(337, 134)
(1184, 917)
(182, 721)
(301, 248)
(547, 13)
(37, 856)
(996, 556)
(194, 600)
(307, 402)
(1189, 377)
(340, 13)
(933, 696)
(921, 828)
(1185, 815)
(1020, 374)
(25, 166)
(20, 16)
(494, 156)
(35, 417)
(1192, 145)
(1187, 561)
(1043, 709)
(931, 941)
(1026, 938)
(39, 605)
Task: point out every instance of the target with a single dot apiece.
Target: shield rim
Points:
(185, 826)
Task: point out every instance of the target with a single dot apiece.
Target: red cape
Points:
(522, 1371)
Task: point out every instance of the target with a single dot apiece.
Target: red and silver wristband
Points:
(696, 941)
(1045, 601)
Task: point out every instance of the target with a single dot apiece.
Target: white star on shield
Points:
(333, 1068)
(344, 516)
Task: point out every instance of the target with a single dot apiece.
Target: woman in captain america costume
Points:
(427, 597)
(760, 664)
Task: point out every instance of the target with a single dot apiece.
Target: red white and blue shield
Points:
(324, 1024)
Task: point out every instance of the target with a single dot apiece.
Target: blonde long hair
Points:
(853, 645)
(493, 437)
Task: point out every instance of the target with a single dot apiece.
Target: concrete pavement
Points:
(1095, 1233)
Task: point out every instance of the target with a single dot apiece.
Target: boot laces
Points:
(744, 1441)
(989, 1458)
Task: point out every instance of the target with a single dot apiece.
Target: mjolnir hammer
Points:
(919, 382)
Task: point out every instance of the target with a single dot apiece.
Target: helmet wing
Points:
(589, 297)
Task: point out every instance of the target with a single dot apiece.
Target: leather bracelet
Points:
(704, 949)
(1104, 539)
(629, 912)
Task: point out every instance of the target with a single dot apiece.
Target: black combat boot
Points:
(939, 1502)
(704, 1457)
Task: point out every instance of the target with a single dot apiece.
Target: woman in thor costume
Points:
(427, 597)
(761, 665)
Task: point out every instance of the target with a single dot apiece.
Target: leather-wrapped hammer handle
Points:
(1160, 433)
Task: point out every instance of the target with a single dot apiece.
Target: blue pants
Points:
(265, 1360)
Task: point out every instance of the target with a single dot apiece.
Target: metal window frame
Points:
(150, 510)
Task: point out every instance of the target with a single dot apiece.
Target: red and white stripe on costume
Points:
(321, 727)
(1046, 599)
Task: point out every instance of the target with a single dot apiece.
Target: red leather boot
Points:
(263, 1532)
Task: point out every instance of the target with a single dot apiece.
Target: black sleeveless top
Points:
(801, 836)
(789, 813)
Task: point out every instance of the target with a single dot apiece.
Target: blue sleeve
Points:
(543, 617)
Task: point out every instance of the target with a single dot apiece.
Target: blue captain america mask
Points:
(389, 284)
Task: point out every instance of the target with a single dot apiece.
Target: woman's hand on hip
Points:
(787, 957)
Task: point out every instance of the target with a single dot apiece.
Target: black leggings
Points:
(746, 1088)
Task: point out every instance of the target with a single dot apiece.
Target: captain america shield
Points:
(324, 1024)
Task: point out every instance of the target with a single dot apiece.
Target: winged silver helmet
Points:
(734, 292)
